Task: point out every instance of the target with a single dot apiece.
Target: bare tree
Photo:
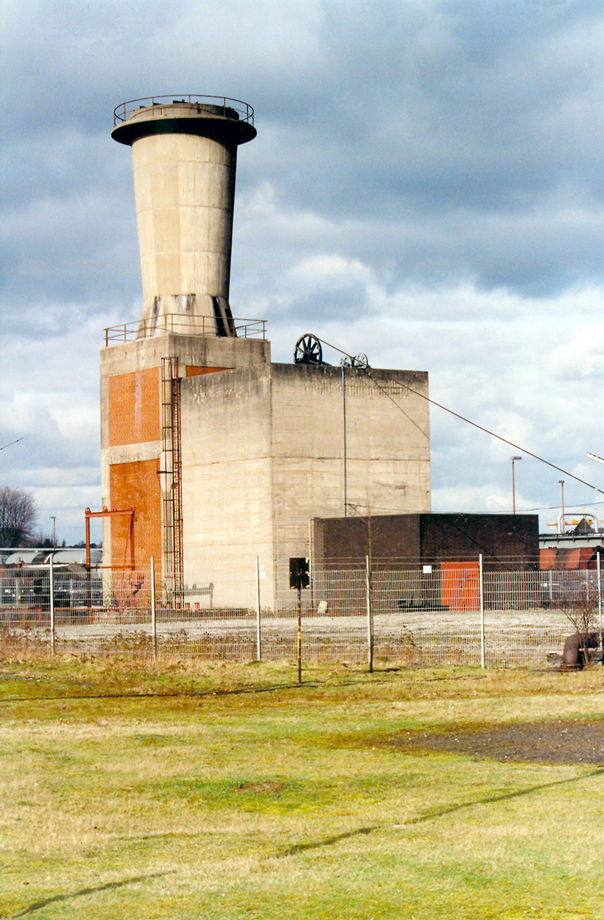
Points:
(42, 540)
(18, 517)
(580, 607)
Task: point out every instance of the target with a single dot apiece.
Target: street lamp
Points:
(513, 459)
(53, 518)
(595, 457)
(561, 481)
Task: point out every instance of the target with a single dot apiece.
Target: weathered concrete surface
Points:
(184, 190)
(263, 454)
(184, 159)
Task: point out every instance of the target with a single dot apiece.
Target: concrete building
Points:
(413, 540)
(224, 456)
(580, 547)
(263, 454)
(429, 561)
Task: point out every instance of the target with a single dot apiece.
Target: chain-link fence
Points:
(452, 613)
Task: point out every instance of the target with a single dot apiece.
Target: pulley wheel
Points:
(308, 350)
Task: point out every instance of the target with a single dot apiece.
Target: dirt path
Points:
(530, 742)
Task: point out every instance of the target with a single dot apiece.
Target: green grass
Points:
(225, 792)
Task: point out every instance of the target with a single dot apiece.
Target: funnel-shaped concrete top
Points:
(214, 117)
(184, 158)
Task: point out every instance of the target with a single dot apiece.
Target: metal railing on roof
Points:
(181, 324)
(230, 107)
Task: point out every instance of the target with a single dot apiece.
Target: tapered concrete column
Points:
(184, 156)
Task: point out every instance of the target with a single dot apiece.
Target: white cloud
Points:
(582, 356)
(327, 271)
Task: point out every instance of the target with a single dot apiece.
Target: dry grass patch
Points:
(228, 792)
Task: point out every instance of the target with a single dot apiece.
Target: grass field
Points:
(226, 792)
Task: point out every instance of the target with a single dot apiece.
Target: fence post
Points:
(299, 632)
(600, 597)
(153, 609)
(258, 623)
(344, 483)
(481, 590)
(51, 573)
(369, 614)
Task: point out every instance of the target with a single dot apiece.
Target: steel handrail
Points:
(182, 324)
(122, 112)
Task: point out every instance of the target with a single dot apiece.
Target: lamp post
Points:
(561, 481)
(344, 484)
(53, 518)
(513, 459)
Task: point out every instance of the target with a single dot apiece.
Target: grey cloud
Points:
(412, 111)
(446, 134)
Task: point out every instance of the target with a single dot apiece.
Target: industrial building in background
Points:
(223, 456)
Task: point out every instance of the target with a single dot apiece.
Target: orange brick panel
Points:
(547, 558)
(134, 411)
(136, 485)
(193, 371)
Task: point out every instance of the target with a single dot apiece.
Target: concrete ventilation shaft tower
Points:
(224, 456)
(184, 153)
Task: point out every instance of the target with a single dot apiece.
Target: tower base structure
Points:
(141, 442)
(226, 458)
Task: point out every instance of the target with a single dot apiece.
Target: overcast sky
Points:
(426, 187)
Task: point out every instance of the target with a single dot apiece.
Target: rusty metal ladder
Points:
(172, 524)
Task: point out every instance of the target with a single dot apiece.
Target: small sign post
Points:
(299, 578)
(260, 573)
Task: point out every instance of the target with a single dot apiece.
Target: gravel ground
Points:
(556, 742)
(528, 637)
